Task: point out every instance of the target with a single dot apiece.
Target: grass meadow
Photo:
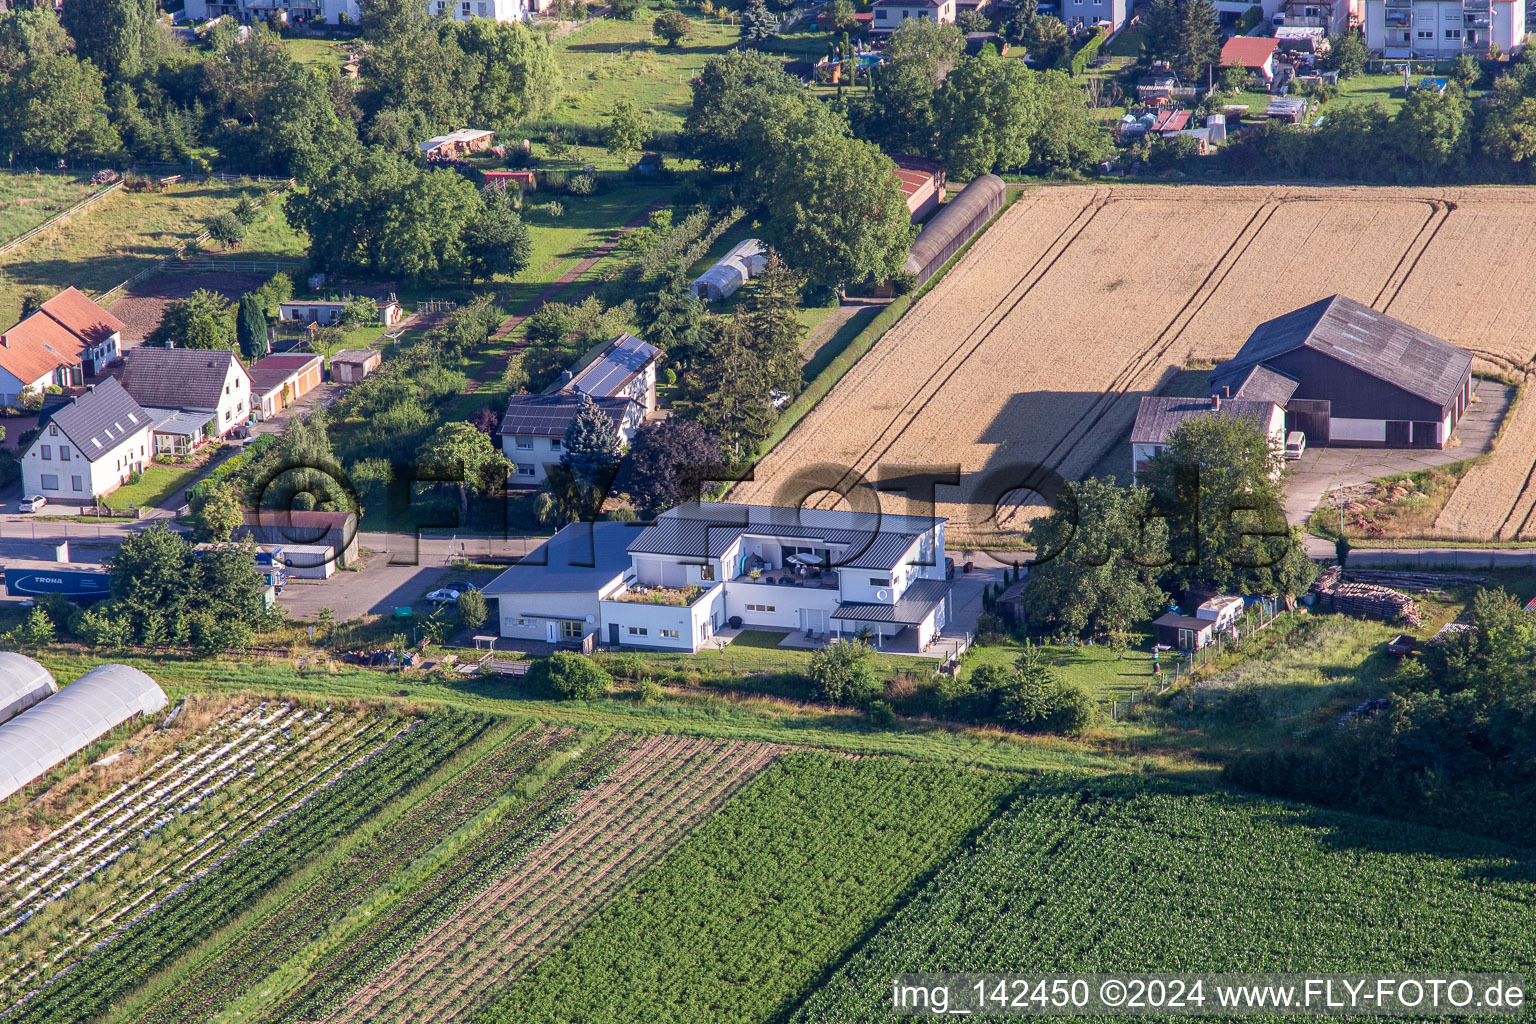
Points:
(30, 199)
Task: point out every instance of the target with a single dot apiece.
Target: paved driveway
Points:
(1309, 479)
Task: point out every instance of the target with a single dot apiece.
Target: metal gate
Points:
(1311, 416)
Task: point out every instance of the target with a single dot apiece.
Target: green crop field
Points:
(1145, 876)
(27, 200)
(124, 234)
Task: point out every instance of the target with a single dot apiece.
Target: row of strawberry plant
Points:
(449, 887)
(194, 912)
(1149, 876)
(225, 971)
(753, 907)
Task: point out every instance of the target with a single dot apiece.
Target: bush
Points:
(570, 676)
(473, 608)
(581, 184)
(844, 673)
(226, 229)
(554, 209)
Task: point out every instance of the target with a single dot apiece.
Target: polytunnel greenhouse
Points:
(64, 724)
(23, 682)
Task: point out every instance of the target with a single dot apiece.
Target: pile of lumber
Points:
(1411, 580)
(1367, 600)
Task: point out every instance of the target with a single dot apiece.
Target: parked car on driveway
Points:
(33, 503)
(443, 595)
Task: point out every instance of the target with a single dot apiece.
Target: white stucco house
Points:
(88, 448)
(60, 343)
(889, 14)
(673, 583)
(1443, 28)
(1159, 415)
(191, 380)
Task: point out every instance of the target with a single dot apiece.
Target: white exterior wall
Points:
(1443, 432)
(11, 386)
(235, 401)
(1091, 12)
(98, 478)
(1433, 19)
(540, 450)
(888, 18)
(463, 10)
(786, 603)
(1343, 429)
(577, 607)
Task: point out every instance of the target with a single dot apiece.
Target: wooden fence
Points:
(1183, 665)
(177, 257)
(231, 266)
(90, 200)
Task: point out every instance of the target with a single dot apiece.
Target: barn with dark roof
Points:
(1348, 375)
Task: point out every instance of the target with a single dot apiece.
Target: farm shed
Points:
(1184, 632)
(1254, 54)
(921, 183)
(337, 530)
(745, 261)
(954, 225)
(23, 683)
(353, 364)
(1349, 375)
(456, 144)
(60, 726)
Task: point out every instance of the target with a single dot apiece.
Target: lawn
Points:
(610, 59)
(115, 239)
(318, 51)
(1105, 675)
(757, 651)
(158, 483)
(27, 200)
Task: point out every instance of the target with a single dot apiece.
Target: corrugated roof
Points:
(624, 359)
(273, 372)
(99, 420)
(916, 604)
(550, 415)
(1358, 336)
(71, 720)
(581, 558)
(1263, 384)
(178, 378)
(355, 355)
(1160, 414)
(983, 196)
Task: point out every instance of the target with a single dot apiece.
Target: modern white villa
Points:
(703, 567)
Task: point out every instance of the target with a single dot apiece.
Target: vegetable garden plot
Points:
(1147, 876)
(747, 912)
(205, 986)
(167, 826)
(661, 789)
(189, 914)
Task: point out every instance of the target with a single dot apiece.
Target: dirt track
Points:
(142, 308)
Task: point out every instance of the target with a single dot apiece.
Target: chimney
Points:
(1215, 402)
(91, 388)
(1226, 391)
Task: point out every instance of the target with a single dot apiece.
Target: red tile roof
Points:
(1247, 51)
(55, 335)
(273, 372)
(81, 315)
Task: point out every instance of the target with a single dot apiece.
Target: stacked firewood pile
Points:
(1411, 580)
(1367, 600)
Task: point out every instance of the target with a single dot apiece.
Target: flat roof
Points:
(581, 558)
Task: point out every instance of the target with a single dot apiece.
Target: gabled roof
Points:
(581, 558)
(1358, 336)
(550, 415)
(1160, 414)
(38, 346)
(99, 420)
(1247, 51)
(1264, 384)
(625, 358)
(273, 372)
(178, 378)
(74, 310)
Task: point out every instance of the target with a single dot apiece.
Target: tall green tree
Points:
(1096, 568)
(118, 36)
(730, 92)
(987, 113)
(627, 131)
(592, 446)
(1215, 486)
(499, 241)
(672, 315)
(218, 512)
(1432, 131)
(469, 458)
(51, 103)
(730, 380)
(518, 80)
(666, 462)
(919, 56)
(757, 23)
(251, 328)
(204, 319)
(1185, 34)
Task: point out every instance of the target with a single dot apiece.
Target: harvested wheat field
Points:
(1036, 347)
(662, 787)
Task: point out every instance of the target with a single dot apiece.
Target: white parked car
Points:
(444, 596)
(33, 503)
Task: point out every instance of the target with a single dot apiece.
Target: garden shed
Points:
(62, 725)
(23, 683)
(954, 225)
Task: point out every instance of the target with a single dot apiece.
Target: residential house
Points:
(673, 583)
(1443, 29)
(1254, 54)
(327, 312)
(921, 182)
(501, 10)
(351, 365)
(63, 341)
(1348, 375)
(331, 12)
(1332, 16)
(889, 14)
(459, 144)
(280, 380)
(623, 368)
(1088, 13)
(205, 381)
(1159, 415)
(88, 448)
(533, 429)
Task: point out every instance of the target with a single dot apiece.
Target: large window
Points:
(707, 572)
(570, 629)
(525, 469)
(50, 482)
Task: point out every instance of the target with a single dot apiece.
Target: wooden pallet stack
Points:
(1367, 600)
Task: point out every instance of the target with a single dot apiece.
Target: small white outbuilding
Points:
(746, 260)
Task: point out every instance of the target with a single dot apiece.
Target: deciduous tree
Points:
(667, 460)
